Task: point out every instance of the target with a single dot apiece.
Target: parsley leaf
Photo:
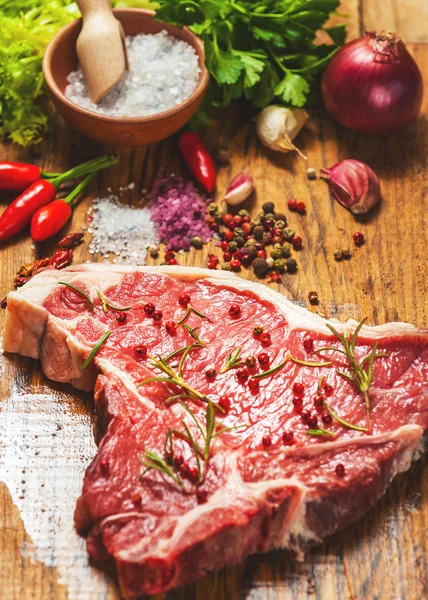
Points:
(293, 89)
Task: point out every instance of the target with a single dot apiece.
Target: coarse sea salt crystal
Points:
(121, 230)
(164, 71)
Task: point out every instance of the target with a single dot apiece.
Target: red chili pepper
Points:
(62, 259)
(198, 159)
(18, 176)
(50, 219)
(19, 213)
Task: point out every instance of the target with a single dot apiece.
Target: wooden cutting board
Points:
(46, 438)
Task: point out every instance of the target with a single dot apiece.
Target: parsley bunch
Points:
(260, 50)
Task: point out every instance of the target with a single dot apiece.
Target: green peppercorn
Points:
(226, 267)
(289, 233)
(240, 240)
(286, 250)
(260, 267)
(291, 265)
(338, 255)
(239, 232)
(346, 253)
(270, 216)
(270, 262)
(279, 264)
(281, 224)
(275, 254)
(261, 216)
(259, 232)
(212, 209)
(256, 222)
(268, 207)
(243, 213)
(277, 246)
(233, 246)
(250, 242)
(197, 242)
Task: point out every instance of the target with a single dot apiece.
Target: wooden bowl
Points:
(60, 59)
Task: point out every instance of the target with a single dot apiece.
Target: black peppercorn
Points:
(260, 267)
(291, 265)
(259, 232)
(268, 207)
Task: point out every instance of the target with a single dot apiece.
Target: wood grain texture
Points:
(46, 436)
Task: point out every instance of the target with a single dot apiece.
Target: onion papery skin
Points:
(373, 85)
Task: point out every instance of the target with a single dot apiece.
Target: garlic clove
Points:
(239, 188)
(277, 127)
(354, 185)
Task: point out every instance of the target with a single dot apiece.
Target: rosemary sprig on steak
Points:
(233, 360)
(346, 424)
(194, 334)
(190, 309)
(320, 432)
(361, 373)
(95, 350)
(106, 304)
(78, 291)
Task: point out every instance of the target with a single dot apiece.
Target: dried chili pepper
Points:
(61, 259)
(3, 303)
(19, 213)
(198, 159)
(30, 268)
(70, 241)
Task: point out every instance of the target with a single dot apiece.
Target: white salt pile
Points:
(164, 71)
(120, 233)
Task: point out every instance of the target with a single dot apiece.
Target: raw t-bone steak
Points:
(277, 469)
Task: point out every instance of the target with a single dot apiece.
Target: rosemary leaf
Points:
(342, 421)
(153, 379)
(320, 432)
(78, 291)
(271, 371)
(320, 382)
(308, 363)
(186, 316)
(329, 349)
(191, 309)
(233, 361)
(95, 350)
(194, 334)
(106, 304)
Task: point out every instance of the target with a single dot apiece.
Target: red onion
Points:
(373, 85)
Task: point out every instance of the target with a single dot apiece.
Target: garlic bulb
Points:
(277, 126)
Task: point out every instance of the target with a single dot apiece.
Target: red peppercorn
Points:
(297, 242)
(246, 219)
(328, 389)
(254, 385)
(298, 389)
(318, 402)
(268, 224)
(267, 239)
(235, 264)
(237, 220)
(224, 246)
(135, 498)
(227, 256)
(247, 227)
(105, 467)
(228, 236)
(121, 317)
(169, 256)
(313, 421)
(242, 374)
(173, 261)
(265, 339)
(340, 470)
(141, 352)
(212, 261)
(287, 437)
(306, 415)
(178, 459)
(224, 403)
(227, 218)
(210, 374)
(276, 239)
(266, 441)
(234, 310)
(171, 327)
(358, 238)
(157, 315)
(246, 259)
(297, 401)
(300, 207)
(292, 204)
(189, 473)
(237, 254)
(263, 359)
(326, 418)
(149, 309)
(308, 344)
(278, 232)
(261, 254)
(212, 265)
(231, 226)
(260, 246)
(184, 300)
(275, 276)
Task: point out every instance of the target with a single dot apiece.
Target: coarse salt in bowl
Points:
(60, 60)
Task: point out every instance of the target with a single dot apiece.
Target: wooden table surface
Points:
(46, 438)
